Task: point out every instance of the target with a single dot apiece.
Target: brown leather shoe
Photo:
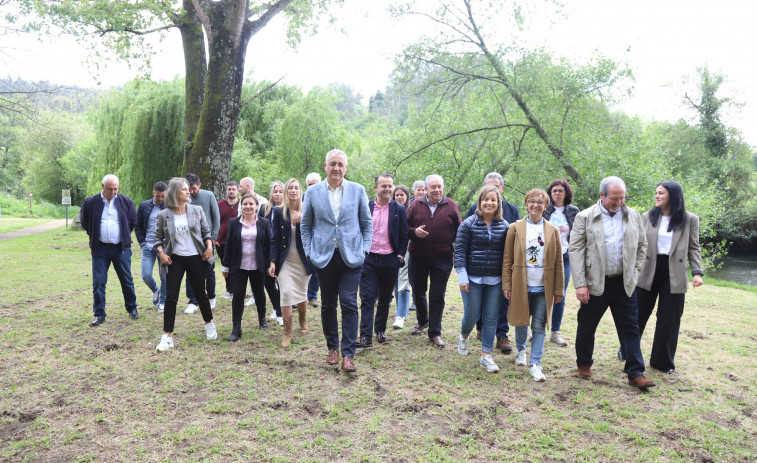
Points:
(381, 337)
(504, 345)
(313, 302)
(418, 329)
(584, 372)
(347, 365)
(641, 382)
(333, 357)
(437, 341)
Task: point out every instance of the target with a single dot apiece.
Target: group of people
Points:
(403, 244)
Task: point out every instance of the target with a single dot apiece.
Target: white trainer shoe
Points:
(212, 303)
(226, 295)
(488, 362)
(537, 373)
(250, 302)
(156, 296)
(280, 321)
(520, 359)
(161, 308)
(557, 339)
(399, 323)
(462, 345)
(210, 331)
(166, 342)
(192, 308)
(273, 316)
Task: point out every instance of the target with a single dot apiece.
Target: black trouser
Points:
(220, 249)
(238, 280)
(339, 285)
(273, 294)
(376, 282)
(669, 313)
(195, 268)
(429, 311)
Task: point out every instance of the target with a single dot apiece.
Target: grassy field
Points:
(13, 223)
(72, 393)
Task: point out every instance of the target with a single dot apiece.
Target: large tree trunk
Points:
(195, 67)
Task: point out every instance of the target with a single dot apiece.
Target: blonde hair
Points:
(485, 190)
(285, 206)
(537, 192)
(266, 209)
(172, 192)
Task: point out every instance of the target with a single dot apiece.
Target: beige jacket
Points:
(514, 271)
(587, 250)
(685, 244)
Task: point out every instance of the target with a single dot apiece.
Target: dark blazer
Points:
(685, 245)
(282, 241)
(143, 215)
(397, 226)
(92, 214)
(232, 255)
(509, 211)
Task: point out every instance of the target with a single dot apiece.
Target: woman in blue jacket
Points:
(479, 247)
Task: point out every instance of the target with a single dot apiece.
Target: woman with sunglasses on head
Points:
(275, 199)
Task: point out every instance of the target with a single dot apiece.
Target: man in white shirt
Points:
(607, 251)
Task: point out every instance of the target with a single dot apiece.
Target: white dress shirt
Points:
(110, 230)
(613, 228)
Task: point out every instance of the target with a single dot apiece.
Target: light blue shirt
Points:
(152, 221)
(110, 231)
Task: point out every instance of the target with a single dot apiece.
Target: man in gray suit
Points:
(337, 228)
(607, 247)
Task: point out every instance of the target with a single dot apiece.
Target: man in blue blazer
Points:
(336, 229)
(387, 256)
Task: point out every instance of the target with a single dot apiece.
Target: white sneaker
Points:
(488, 362)
(530, 334)
(191, 308)
(273, 316)
(399, 323)
(212, 304)
(156, 296)
(462, 345)
(557, 339)
(210, 331)
(250, 302)
(166, 342)
(520, 359)
(161, 308)
(280, 321)
(226, 295)
(537, 373)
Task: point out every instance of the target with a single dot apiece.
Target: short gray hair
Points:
(335, 152)
(496, 175)
(428, 179)
(419, 183)
(607, 182)
(313, 176)
(110, 177)
(172, 193)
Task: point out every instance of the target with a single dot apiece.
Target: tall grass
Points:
(13, 207)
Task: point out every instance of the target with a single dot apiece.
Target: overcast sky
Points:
(663, 42)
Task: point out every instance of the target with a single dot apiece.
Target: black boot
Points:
(263, 323)
(236, 331)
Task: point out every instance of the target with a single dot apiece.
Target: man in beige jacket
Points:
(607, 248)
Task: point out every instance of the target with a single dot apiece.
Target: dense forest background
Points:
(458, 111)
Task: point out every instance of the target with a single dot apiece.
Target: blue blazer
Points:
(321, 232)
(397, 226)
(281, 243)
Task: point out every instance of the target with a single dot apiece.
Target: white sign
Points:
(66, 197)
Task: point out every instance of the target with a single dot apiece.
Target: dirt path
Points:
(34, 230)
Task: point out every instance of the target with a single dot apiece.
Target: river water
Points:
(739, 268)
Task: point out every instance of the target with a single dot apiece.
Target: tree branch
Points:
(262, 91)
(271, 12)
(102, 31)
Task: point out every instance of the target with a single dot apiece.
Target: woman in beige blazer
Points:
(673, 236)
(532, 278)
(183, 244)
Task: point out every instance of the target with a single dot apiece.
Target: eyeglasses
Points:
(535, 203)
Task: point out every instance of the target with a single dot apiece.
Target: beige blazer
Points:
(165, 230)
(685, 244)
(514, 271)
(587, 250)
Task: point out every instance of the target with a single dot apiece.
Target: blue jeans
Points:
(537, 307)
(102, 257)
(559, 308)
(481, 302)
(403, 303)
(313, 286)
(210, 285)
(502, 326)
(149, 256)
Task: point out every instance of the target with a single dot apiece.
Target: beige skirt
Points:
(293, 279)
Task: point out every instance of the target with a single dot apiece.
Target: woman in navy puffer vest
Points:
(479, 246)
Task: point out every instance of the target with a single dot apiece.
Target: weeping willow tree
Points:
(140, 136)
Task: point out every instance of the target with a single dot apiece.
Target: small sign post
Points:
(66, 199)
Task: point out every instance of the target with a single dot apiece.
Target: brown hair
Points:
(485, 190)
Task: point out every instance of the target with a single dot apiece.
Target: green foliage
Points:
(139, 136)
(15, 207)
